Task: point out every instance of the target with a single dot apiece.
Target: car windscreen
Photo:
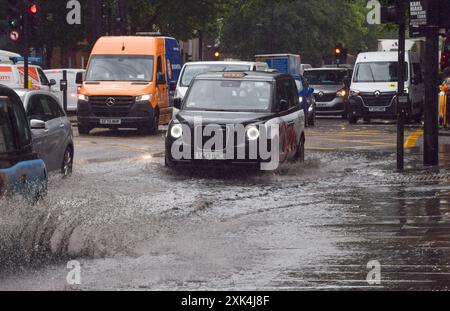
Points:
(6, 129)
(229, 95)
(120, 68)
(191, 71)
(325, 77)
(378, 72)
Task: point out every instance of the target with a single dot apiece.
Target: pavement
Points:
(322, 225)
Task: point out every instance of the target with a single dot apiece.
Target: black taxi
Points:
(237, 118)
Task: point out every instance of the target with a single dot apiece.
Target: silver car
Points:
(51, 130)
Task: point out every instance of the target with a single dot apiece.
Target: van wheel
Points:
(352, 119)
(312, 120)
(83, 130)
(67, 164)
(154, 126)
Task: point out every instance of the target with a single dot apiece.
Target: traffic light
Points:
(340, 54)
(14, 21)
(33, 18)
(216, 54)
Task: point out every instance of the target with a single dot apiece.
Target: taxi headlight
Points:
(146, 97)
(252, 133)
(176, 131)
(83, 97)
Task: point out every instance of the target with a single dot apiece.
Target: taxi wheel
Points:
(300, 154)
(167, 162)
(367, 120)
(67, 164)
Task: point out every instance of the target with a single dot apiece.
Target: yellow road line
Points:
(411, 141)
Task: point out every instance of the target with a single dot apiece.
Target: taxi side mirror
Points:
(283, 105)
(79, 78)
(177, 103)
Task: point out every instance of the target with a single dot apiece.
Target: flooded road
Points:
(135, 225)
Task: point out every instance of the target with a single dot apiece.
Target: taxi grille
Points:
(385, 99)
(120, 109)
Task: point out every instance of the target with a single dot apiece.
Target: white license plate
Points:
(110, 121)
(210, 156)
(377, 109)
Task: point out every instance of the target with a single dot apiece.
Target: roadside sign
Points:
(14, 35)
(418, 18)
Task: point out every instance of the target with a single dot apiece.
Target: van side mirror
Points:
(52, 82)
(37, 124)
(79, 78)
(160, 78)
(173, 86)
(177, 103)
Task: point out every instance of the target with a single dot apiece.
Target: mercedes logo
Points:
(110, 102)
(321, 94)
(377, 93)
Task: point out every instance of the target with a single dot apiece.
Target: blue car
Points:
(21, 172)
(307, 100)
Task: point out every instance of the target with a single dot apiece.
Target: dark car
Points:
(237, 118)
(331, 90)
(21, 172)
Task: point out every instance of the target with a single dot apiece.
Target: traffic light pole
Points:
(401, 88)
(26, 44)
(431, 135)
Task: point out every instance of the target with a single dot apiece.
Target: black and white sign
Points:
(418, 11)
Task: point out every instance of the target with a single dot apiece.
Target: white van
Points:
(72, 87)
(12, 75)
(192, 69)
(5, 56)
(374, 87)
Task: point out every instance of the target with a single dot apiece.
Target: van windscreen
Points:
(378, 72)
(120, 68)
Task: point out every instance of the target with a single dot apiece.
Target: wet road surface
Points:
(134, 225)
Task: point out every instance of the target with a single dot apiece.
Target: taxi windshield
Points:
(193, 70)
(120, 68)
(229, 95)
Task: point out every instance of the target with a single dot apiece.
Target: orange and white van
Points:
(12, 75)
(126, 84)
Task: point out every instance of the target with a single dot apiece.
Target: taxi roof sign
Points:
(234, 75)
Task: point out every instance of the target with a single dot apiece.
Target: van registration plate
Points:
(377, 109)
(110, 121)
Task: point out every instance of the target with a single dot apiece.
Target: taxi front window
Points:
(6, 130)
(230, 95)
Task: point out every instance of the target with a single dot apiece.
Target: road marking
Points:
(411, 141)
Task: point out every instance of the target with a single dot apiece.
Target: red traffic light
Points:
(33, 9)
(217, 54)
(338, 51)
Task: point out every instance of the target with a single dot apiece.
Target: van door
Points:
(163, 93)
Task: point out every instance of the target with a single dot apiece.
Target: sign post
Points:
(401, 104)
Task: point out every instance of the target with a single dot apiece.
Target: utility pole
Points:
(401, 99)
(431, 137)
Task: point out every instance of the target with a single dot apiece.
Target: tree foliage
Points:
(309, 27)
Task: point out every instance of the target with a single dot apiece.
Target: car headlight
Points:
(176, 131)
(252, 133)
(342, 93)
(83, 97)
(146, 97)
(354, 92)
